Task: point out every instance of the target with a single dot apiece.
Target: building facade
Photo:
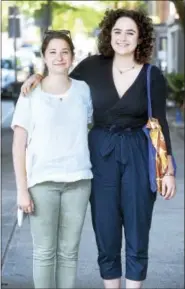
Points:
(175, 52)
(169, 36)
(158, 11)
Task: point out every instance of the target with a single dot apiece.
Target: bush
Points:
(176, 86)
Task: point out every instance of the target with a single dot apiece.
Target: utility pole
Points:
(14, 31)
(15, 43)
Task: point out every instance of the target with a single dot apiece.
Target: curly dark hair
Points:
(144, 49)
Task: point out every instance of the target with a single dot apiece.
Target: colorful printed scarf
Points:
(158, 141)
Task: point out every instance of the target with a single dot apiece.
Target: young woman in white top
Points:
(52, 164)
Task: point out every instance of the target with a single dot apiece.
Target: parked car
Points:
(8, 77)
(33, 48)
(7, 73)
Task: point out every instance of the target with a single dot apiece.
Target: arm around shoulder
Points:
(31, 83)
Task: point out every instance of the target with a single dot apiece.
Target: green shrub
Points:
(176, 85)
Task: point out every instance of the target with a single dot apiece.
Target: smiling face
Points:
(124, 36)
(58, 56)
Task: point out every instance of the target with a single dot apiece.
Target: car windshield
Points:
(6, 63)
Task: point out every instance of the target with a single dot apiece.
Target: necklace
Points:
(126, 69)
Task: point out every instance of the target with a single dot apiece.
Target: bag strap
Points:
(149, 91)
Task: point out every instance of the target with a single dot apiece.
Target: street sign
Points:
(13, 22)
(14, 28)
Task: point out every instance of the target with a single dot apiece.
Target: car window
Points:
(6, 63)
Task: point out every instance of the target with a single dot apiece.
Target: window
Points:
(174, 50)
(163, 43)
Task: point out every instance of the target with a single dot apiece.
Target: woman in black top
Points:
(121, 194)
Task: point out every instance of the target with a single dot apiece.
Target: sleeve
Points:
(88, 102)
(158, 98)
(79, 72)
(22, 113)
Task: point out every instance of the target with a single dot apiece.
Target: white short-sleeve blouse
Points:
(57, 127)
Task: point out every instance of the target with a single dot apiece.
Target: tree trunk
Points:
(180, 7)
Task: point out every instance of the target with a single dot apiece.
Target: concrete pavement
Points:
(166, 266)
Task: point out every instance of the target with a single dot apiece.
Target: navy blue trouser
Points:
(121, 197)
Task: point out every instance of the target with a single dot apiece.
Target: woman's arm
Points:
(19, 161)
(19, 157)
(158, 97)
(171, 169)
(79, 73)
(31, 83)
(21, 123)
(35, 79)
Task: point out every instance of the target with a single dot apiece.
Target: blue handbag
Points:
(151, 149)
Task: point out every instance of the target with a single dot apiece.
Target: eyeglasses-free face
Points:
(58, 56)
(124, 36)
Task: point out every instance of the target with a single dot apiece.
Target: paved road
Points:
(166, 267)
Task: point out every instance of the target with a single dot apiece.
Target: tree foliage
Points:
(69, 19)
(176, 84)
(64, 15)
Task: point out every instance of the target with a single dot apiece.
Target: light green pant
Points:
(56, 227)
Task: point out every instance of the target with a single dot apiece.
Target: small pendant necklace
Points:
(125, 70)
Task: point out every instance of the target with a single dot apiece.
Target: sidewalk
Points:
(166, 266)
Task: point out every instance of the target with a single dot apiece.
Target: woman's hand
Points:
(31, 83)
(24, 201)
(168, 187)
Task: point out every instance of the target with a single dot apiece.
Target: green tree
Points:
(4, 15)
(26, 8)
(64, 15)
(68, 19)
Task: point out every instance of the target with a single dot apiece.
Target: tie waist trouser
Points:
(121, 196)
